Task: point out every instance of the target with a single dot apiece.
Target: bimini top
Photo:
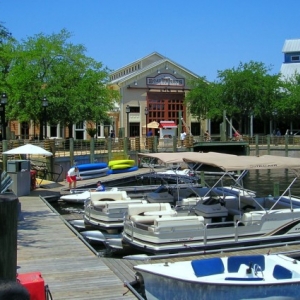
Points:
(229, 162)
(168, 157)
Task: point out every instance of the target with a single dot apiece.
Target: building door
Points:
(165, 106)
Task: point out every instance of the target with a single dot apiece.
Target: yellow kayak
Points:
(129, 162)
(120, 166)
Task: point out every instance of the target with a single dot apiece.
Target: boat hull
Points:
(156, 288)
(271, 277)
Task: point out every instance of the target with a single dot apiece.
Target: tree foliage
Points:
(74, 84)
(6, 46)
(242, 91)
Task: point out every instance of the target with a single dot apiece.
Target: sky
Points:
(204, 36)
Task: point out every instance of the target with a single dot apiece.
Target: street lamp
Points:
(146, 114)
(3, 103)
(127, 112)
(45, 104)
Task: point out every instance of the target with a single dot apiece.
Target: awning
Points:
(167, 124)
(153, 124)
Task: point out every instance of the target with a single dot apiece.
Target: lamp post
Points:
(146, 114)
(45, 104)
(127, 112)
(3, 103)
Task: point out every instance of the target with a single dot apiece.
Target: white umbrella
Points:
(29, 149)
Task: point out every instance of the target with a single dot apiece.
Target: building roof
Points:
(289, 70)
(291, 46)
(148, 64)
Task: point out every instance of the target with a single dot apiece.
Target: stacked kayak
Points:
(121, 166)
(93, 170)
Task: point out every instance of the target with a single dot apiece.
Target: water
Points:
(260, 181)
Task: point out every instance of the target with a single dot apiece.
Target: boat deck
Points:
(70, 268)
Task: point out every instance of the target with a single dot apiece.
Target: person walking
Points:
(72, 175)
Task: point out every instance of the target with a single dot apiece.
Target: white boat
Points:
(106, 210)
(82, 197)
(234, 223)
(249, 277)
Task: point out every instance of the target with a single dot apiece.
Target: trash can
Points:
(19, 171)
(33, 180)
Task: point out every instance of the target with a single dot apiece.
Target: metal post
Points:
(45, 104)
(128, 112)
(3, 103)
(146, 114)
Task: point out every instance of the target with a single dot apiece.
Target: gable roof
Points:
(147, 67)
(291, 46)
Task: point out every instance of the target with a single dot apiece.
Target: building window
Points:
(134, 129)
(79, 125)
(295, 58)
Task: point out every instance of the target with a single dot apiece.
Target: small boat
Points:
(82, 197)
(107, 212)
(219, 223)
(248, 277)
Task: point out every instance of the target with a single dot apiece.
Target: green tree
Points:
(74, 84)
(288, 104)
(242, 91)
(202, 100)
(6, 46)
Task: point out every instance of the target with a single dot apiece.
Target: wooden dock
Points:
(70, 268)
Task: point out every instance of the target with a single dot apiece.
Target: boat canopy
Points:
(167, 157)
(229, 162)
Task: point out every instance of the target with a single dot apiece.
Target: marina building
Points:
(153, 89)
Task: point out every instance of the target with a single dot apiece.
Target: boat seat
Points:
(234, 262)
(281, 272)
(251, 218)
(150, 219)
(207, 267)
(114, 196)
(120, 204)
(177, 221)
(139, 209)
